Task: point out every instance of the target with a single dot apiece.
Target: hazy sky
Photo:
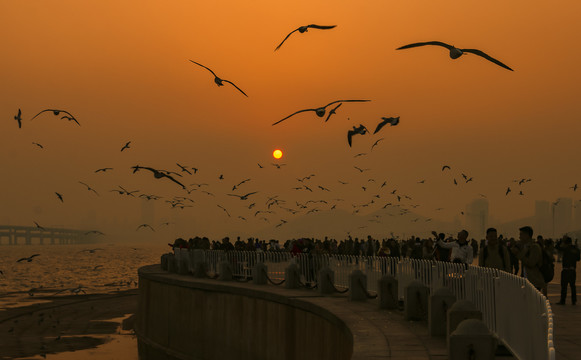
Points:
(122, 69)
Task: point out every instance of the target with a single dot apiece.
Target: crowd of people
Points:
(527, 256)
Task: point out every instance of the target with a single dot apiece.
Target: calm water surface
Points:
(61, 268)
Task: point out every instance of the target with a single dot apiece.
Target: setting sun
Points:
(277, 154)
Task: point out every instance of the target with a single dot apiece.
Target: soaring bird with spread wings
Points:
(158, 174)
(456, 52)
(303, 29)
(57, 112)
(219, 81)
(321, 110)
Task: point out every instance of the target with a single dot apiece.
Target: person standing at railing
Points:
(440, 253)
(462, 252)
(531, 257)
(569, 272)
(494, 254)
(428, 250)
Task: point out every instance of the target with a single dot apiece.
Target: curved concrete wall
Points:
(181, 317)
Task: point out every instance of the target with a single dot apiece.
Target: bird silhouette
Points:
(126, 146)
(362, 130)
(303, 29)
(89, 188)
(456, 52)
(103, 170)
(59, 196)
(184, 168)
(18, 118)
(445, 167)
(332, 111)
(96, 232)
(27, 259)
(375, 144)
(320, 111)
(56, 112)
(37, 144)
(38, 226)
(507, 191)
(144, 226)
(243, 197)
(574, 187)
(360, 169)
(393, 121)
(223, 208)
(219, 81)
(158, 174)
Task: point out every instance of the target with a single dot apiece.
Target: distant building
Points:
(543, 224)
(562, 216)
(476, 216)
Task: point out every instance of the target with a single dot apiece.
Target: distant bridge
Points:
(28, 235)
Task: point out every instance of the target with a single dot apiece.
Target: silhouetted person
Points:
(494, 254)
(462, 252)
(531, 256)
(569, 272)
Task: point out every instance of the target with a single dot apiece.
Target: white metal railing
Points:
(511, 306)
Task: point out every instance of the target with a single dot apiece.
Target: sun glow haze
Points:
(277, 154)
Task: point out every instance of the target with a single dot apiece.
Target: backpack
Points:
(500, 252)
(547, 267)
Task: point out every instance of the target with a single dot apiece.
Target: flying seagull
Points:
(19, 118)
(89, 188)
(219, 81)
(507, 191)
(38, 226)
(375, 144)
(445, 167)
(356, 130)
(304, 29)
(103, 169)
(223, 208)
(56, 112)
(37, 144)
(184, 168)
(59, 196)
(28, 259)
(144, 226)
(332, 111)
(157, 174)
(126, 146)
(393, 121)
(456, 52)
(319, 111)
(574, 187)
(243, 197)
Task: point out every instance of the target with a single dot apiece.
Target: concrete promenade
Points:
(567, 336)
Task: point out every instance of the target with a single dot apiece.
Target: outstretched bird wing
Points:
(279, 45)
(332, 111)
(323, 27)
(207, 68)
(300, 111)
(230, 82)
(40, 113)
(342, 101)
(438, 43)
(174, 180)
(380, 125)
(486, 56)
(350, 134)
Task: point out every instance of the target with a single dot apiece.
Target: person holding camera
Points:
(531, 257)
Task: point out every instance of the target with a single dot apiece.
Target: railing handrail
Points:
(517, 323)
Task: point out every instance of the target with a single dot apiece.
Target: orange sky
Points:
(122, 69)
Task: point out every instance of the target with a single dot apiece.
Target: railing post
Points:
(472, 340)
(259, 273)
(460, 311)
(357, 286)
(416, 301)
(225, 271)
(440, 302)
(325, 281)
(387, 290)
(292, 276)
